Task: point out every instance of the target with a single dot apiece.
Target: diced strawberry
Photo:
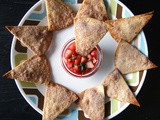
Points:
(69, 60)
(94, 60)
(71, 69)
(89, 64)
(79, 57)
(89, 56)
(70, 64)
(77, 61)
(76, 69)
(72, 47)
(83, 60)
(86, 71)
(94, 52)
(74, 54)
(72, 57)
(73, 61)
(68, 53)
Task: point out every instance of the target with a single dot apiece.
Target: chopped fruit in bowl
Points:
(80, 66)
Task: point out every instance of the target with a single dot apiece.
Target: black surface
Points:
(14, 107)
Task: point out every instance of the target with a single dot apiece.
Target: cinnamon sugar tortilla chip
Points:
(35, 38)
(129, 59)
(128, 28)
(57, 99)
(35, 70)
(92, 102)
(117, 88)
(59, 14)
(88, 33)
(94, 9)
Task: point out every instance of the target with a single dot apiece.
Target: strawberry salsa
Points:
(80, 64)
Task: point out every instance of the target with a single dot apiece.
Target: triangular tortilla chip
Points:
(59, 14)
(94, 9)
(57, 99)
(88, 33)
(35, 38)
(35, 70)
(128, 28)
(117, 88)
(129, 59)
(92, 102)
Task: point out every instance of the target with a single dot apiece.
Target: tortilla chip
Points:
(94, 9)
(35, 70)
(59, 15)
(57, 99)
(128, 28)
(128, 59)
(92, 102)
(88, 33)
(117, 88)
(35, 38)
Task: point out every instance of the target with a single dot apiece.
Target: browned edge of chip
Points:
(116, 87)
(74, 97)
(60, 20)
(40, 45)
(94, 9)
(57, 99)
(92, 102)
(110, 26)
(14, 73)
(147, 65)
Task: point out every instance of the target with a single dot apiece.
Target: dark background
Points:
(14, 107)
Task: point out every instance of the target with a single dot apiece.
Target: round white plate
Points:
(34, 94)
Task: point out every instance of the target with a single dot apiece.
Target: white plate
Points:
(34, 94)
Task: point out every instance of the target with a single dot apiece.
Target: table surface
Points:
(14, 107)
